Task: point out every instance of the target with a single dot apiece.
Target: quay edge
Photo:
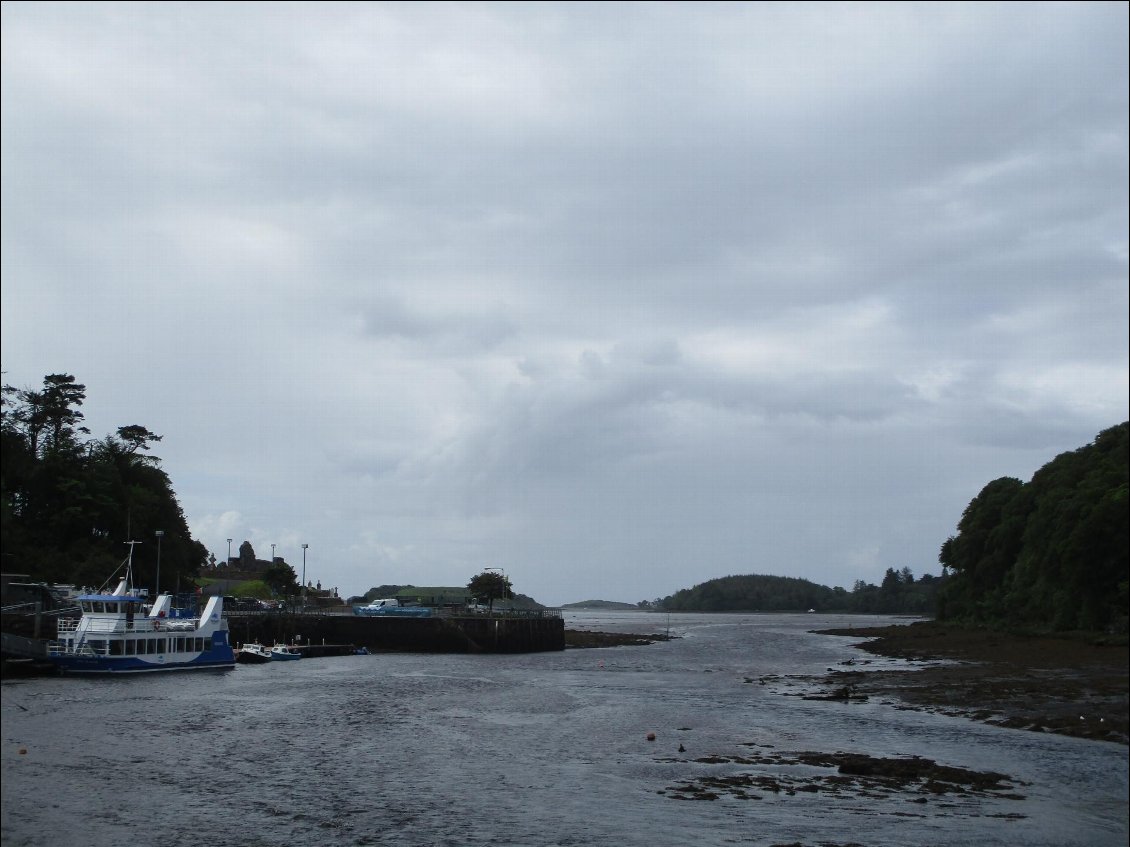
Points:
(439, 634)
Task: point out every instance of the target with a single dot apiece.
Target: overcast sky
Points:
(617, 298)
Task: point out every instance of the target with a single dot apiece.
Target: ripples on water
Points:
(540, 749)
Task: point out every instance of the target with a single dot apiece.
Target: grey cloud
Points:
(588, 290)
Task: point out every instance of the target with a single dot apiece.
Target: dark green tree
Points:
(492, 585)
(137, 437)
(281, 579)
(68, 505)
(1051, 553)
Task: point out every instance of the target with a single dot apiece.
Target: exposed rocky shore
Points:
(1071, 685)
(584, 638)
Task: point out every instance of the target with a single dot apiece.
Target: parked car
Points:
(245, 604)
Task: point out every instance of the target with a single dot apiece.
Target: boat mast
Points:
(126, 585)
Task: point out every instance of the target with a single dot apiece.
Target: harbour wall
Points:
(439, 634)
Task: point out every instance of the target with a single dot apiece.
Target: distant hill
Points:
(601, 604)
(755, 593)
(899, 593)
(1052, 553)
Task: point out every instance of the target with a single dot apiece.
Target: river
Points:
(536, 749)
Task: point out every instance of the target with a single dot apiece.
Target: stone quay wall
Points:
(439, 634)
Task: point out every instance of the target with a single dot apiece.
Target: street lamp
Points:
(228, 562)
(272, 554)
(160, 534)
(304, 546)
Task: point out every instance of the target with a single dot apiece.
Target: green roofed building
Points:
(434, 596)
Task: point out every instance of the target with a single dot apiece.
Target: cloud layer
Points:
(618, 298)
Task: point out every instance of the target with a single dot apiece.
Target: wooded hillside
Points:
(1052, 553)
(899, 593)
(70, 502)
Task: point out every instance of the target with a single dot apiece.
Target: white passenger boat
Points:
(119, 634)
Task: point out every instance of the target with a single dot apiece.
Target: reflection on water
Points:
(540, 749)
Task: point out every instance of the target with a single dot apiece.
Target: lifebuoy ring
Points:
(156, 624)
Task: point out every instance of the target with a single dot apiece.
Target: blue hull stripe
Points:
(131, 664)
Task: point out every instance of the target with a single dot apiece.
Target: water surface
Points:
(538, 749)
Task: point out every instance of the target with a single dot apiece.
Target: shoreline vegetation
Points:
(1075, 685)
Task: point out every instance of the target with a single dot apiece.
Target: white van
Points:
(388, 603)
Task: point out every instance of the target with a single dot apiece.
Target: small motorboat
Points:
(284, 653)
(253, 654)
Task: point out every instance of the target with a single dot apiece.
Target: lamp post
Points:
(228, 561)
(304, 546)
(160, 534)
(272, 554)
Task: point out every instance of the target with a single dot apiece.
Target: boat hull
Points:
(122, 665)
(253, 655)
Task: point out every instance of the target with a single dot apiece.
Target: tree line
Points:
(69, 502)
(1049, 554)
(1052, 553)
(899, 593)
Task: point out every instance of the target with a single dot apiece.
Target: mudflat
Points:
(1076, 685)
(1072, 685)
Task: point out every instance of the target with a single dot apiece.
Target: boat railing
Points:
(82, 649)
(96, 625)
(503, 613)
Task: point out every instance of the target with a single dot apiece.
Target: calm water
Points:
(545, 749)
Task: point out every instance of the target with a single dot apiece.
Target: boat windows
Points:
(97, 645)
(160, 645)
(131, 647)
(117, 648)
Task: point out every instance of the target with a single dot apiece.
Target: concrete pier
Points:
(497, 633)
